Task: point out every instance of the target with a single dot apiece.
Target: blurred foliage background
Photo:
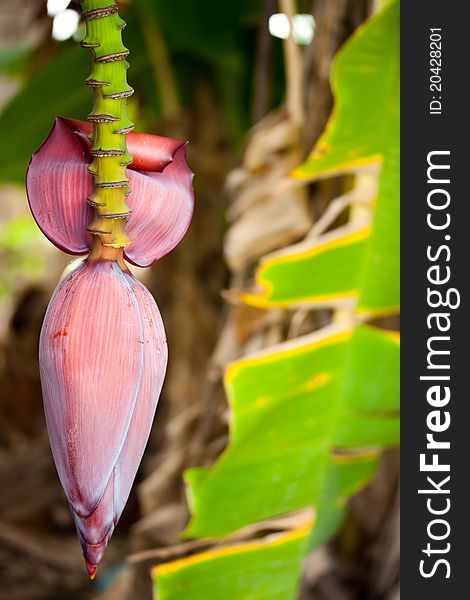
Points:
(216, 73)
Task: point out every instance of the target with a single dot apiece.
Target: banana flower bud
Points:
(103, 351)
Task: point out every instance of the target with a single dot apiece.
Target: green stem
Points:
(110, 121)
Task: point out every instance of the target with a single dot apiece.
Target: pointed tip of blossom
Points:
(91, 569)
(93, 553)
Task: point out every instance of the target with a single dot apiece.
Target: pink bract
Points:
(161, 198)
(103, 357)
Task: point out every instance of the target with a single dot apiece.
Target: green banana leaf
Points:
(308, 419)
(365, 82)
(363, 129)
(285, 278)
(299, 412)
(268, 569)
